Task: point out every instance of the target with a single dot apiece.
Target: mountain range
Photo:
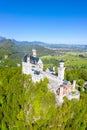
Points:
(24, 42)
(15, 50)
(12, 47)
(46, 45)
(42, 43)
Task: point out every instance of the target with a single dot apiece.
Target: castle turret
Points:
(61, 69)
(34, 52)
(74, 84)
(26, 65)
(28, 59)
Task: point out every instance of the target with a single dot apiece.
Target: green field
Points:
(70, 59)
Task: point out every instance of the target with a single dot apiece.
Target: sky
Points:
(51, 21)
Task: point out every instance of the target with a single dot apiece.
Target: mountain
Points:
(8, 47)
(13, 47)
(52, 46)
(29, 43)
(11, 54)
(15, 50)
(2, 39)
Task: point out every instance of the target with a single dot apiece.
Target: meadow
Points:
(74, 59)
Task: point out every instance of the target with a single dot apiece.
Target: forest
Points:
(31, 106)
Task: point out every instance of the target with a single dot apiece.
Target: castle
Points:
(34, 66)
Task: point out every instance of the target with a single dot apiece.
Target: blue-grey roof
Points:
(25, 58)
(61, 61)
(33, 60)
(51, 69)
(65, 82)
(36, 72)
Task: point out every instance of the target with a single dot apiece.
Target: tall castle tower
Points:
(34, 52)
(61, 70)
(26, 65)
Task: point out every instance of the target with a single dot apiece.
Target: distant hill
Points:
(29, 43)
(15, 50)
(2, 39)
(73, 46)
(23, 47)
(8, 46)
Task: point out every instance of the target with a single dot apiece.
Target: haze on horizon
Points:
(51, 21)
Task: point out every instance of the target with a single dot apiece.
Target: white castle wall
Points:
(71, 96)
(61, 70)
(26, 68)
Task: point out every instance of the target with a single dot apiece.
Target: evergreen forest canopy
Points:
(28, 106)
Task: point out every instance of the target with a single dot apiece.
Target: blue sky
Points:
(52, 21)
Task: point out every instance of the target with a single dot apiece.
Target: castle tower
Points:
(74, 84)
(34, 52)
(26, 65)
(61, 70)
(28, 60)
